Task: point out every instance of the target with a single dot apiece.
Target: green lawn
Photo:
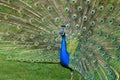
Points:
(12, 70)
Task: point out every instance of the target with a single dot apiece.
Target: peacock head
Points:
(62, 32)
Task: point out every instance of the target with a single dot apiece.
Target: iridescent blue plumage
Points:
(64, 55)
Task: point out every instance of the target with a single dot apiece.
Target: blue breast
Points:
(64, 55)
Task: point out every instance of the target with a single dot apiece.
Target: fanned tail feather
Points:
(29, 32)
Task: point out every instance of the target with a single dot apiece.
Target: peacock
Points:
(81, 35)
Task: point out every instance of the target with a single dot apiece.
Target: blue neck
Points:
(64, 55)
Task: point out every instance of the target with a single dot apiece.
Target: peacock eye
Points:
(32, 61)
(87, 2)
(9, 57)
(15, 42)
(37, 4)
(92, 12)
(78, 34)
(111, 72)
(92, 24)
(118, 57)
(84, 18)
(89, 33)
(2, 38)
(44, 19)
(118, 25)
(111, 21)
(66, 10)
(21, 11)
(106, 36)
(57, 19)
(32, 21)
(107, 57)
(10, 1)
(119, 10)
(103, 53)
(74, 16)
(50, 8)
(19, 27)
(7, 16)
(84, 29)
(99, 47)
(111, 8)
(106, 65)
(91, 53)
(117, 47)
(73, 2)
(42, 33)
(79, 8)
(101, 8)
(36, 43)
(54, 32)
(8, 33)
(23, 39)
(94, 60)
(102, 21)
(68, 26)
(99, 33)
(113, 39)
(32, 36)
(77, 26)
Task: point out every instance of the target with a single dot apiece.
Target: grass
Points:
(12, 70)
